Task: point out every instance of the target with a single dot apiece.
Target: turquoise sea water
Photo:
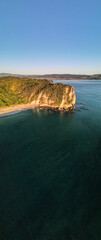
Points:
(50, 171)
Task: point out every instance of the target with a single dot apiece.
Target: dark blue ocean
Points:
(50, 171)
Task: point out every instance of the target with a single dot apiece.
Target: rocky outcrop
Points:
(54, 99)
(39, 93)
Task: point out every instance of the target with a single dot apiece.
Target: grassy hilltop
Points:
(14, 90)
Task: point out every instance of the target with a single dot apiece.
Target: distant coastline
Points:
(56, 76)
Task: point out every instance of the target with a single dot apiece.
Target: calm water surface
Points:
(50, 171)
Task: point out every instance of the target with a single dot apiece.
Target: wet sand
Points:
(14, 109)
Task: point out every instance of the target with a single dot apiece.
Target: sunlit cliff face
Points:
(14, 91)
(67, 101)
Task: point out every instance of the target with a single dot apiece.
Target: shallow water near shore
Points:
(50, 171)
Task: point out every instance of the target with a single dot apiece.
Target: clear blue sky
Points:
(50, 36)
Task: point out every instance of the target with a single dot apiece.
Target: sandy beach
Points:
(14, 109)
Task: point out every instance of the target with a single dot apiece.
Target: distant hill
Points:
(56, 76)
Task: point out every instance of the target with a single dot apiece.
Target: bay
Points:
(50, 171)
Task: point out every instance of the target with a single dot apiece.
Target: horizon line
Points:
(51, 74)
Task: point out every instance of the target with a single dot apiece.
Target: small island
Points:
(23, 93)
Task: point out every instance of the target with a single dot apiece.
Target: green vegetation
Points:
(15, 90)
(18, 90)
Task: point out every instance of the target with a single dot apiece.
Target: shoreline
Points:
(4, 111)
